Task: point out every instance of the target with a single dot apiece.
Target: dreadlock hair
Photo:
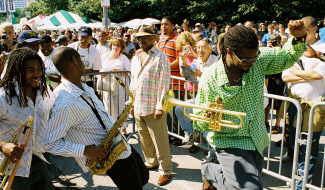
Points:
(236, 38)
(16, 72)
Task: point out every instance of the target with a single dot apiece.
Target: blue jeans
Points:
(39, 177)
(185, 122)
(302, 148)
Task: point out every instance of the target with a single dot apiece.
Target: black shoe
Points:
(177, 142)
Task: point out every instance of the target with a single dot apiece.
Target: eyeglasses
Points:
(246, 61)
(142, 37)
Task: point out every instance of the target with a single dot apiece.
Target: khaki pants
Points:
(154, 141)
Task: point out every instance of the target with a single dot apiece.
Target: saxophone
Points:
(99, 168)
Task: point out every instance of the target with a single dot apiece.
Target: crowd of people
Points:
(42, 76)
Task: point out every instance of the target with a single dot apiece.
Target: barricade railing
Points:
(114, 98)
(308, 151)
(279, 174)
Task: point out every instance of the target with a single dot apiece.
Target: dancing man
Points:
(79, 123)
(237, 80)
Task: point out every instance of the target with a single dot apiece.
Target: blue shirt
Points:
(322, 34)
(265, 38)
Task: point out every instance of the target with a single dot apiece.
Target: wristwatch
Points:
(300, 40)
(322, 57)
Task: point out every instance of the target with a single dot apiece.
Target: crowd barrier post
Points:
(126, 79)
(308, 150)
(298, 126)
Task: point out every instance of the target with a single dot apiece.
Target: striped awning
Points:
(61, 18)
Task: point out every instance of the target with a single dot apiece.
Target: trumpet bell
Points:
(166, 104)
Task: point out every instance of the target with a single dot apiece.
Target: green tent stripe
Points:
(55, 21)
(67, 16)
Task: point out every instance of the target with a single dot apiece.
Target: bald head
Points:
(62, 58)
(309, 20)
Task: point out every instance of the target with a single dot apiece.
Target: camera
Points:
(3, 36)
(185, 49)
(275, 43)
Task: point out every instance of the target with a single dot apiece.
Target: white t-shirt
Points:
(50, 68)
(120, 63)
(90, 57)
(312, 89)
(103, 49)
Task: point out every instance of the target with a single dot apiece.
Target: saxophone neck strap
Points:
(95, 111)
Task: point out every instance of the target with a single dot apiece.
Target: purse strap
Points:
(95, 111)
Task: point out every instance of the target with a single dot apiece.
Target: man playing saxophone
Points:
(80, 118)
(24, 93)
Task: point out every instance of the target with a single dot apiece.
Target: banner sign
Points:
(11, 6)
(3, 6)
(106, 3)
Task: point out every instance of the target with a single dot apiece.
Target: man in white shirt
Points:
(103, 45)
(90, 56)
(46, 52)
(307, 83)
(24, 93)
(79, 123)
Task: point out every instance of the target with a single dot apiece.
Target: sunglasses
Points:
(142, 37)
(246, 61)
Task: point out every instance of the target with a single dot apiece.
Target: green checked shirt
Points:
(247, 98)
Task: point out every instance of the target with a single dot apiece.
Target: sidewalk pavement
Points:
(186, 173)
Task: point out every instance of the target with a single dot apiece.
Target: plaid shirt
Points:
(150, 81)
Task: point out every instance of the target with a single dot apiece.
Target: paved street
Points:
(186, 171)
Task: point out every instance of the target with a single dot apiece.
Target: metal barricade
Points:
(113, 100)
(177, 81)
(267, 170)
(308, 152)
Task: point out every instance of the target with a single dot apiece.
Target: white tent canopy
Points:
(136, 23)
(61, 20)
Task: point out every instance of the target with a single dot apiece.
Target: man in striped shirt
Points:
(79, 123)
(24, 93)
(150, 75)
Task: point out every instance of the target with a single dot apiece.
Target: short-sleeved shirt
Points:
(168, 46)
(50, 68)
(322, 34)
(247, 98)
(312, 89)
(90, 57)
(265, 38)
(103, 49)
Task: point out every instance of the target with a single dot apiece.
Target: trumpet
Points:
(215, 120)
(7, 165)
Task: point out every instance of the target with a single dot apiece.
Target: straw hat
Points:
(145, 30)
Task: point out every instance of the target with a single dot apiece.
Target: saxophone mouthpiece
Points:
(119, 81)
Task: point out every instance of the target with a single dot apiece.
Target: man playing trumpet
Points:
(24, 93)
(236, 80)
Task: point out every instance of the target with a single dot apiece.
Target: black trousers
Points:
(129, 173)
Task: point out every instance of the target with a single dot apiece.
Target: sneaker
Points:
(286, 159)
(188, 138)
(209, 159)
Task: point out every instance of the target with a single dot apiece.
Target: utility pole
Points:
(106, 22)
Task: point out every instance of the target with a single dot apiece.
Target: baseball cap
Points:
(196, 30)
(44, 38)
(198, 24)
(85, 31)
(61, 38)
(28, 36)
(275, 22)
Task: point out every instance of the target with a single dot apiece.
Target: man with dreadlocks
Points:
(236, 80)
(24, 93)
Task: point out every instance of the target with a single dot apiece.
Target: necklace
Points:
(235, 80)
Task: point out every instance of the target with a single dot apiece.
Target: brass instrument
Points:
(113, 150)
(215, 120)
(7, 164)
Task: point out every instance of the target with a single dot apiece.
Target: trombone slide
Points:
(7, 164)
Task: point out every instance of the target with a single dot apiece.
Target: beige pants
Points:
(154, 141)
